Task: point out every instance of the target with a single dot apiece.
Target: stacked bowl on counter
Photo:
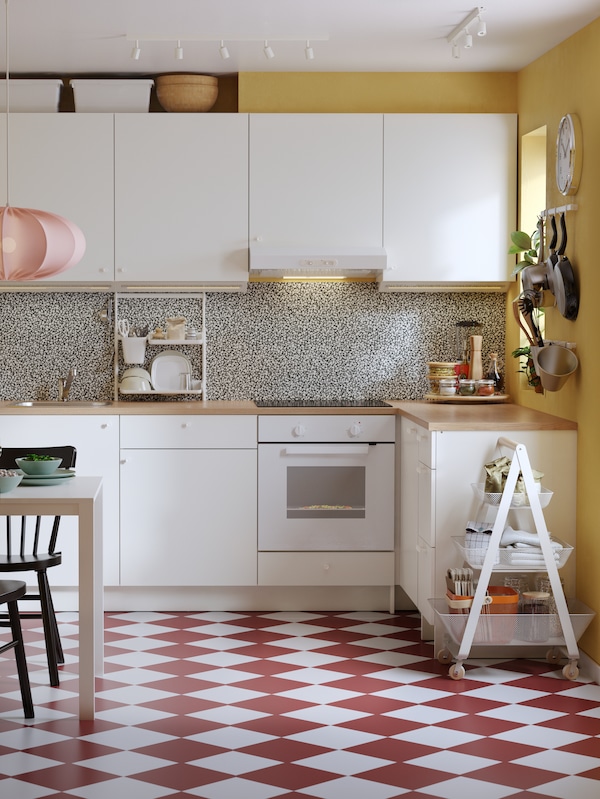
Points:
(442, 377)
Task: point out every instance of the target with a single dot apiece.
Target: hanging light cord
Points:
(7, 106)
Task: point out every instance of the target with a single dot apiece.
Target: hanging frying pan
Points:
(565, 289)
(552, 255)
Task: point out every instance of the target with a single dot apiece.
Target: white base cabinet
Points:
(437, 501)
(96, 439)
(188, 501)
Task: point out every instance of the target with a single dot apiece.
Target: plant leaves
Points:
(521, 240)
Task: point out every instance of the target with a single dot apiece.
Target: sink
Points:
(60, 404)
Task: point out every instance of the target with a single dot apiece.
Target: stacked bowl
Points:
(438, 370)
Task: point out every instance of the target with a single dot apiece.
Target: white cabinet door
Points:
(63, 163)
(188, 517)
(181, 198)
(406, 554)
(96, 439)
(316, 179)
(449, 197)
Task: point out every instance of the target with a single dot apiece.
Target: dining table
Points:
(81, 497)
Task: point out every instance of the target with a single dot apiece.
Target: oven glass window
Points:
(326, 492)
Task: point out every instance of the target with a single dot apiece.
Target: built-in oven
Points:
(326, 482)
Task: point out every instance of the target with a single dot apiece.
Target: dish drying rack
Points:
(472, 621)
(200, 341)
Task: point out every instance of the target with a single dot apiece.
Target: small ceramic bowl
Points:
(135, 383)
(38, 467)
(137, 371)
(8, 483)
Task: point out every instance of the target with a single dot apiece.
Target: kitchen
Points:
(540, 93)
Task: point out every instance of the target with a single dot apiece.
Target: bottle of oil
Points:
(493, 373)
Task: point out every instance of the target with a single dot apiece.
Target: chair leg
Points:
(49, 634)
(17, 634)
(60, 656)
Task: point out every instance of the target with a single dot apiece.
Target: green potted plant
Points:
(528, 368)
(526, 245)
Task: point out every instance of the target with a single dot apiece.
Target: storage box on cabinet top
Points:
(31, 95)
(112, 96)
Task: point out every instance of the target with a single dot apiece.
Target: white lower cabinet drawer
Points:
(188, 432)
(325, 568)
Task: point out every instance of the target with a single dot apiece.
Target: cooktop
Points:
(337, 403)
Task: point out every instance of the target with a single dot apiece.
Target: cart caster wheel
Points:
(444, 656)
(456, 671)
(570, 671)
(553, 656)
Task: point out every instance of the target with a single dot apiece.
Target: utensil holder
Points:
(554, 364)
(134, 349)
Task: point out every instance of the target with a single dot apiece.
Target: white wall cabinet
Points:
(437, 501)
(181, 198)
(315, 179)
(63, 163)
(188, 501)
(449, 197)
(96, 439)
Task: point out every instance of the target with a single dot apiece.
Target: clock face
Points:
(568, 157)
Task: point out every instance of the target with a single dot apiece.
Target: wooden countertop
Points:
(433, 416)
(500, 416)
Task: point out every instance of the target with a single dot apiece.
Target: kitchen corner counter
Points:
(500, 416)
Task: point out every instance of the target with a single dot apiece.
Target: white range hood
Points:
(326, 262)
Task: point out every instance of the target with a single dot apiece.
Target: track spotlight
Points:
(309, 52)
(179, 51)
(223, 51)
(135, 51)
(461, 32)
(268, 51)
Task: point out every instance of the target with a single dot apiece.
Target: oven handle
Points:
(327, 449)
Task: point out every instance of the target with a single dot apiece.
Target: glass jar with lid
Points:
(447, 386)
(485, 388)
(467, 388)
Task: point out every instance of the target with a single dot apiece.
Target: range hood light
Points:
(318, 262)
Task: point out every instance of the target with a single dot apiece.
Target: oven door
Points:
(325, 497)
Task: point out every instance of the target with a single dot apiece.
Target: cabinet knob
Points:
(299, 431)
(326, 567)
(104, 426)
(355, 430)
(102, 269)
(185, 425)
(123, 461)
(120, 269)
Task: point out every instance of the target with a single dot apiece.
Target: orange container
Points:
(504, 600)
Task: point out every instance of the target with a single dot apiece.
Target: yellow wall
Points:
(377, 92)
(560, 82)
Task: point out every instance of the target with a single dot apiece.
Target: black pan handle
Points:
(554, 239)
(563, 231)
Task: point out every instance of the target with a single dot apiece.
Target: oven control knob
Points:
(299, 431)
(355, 430)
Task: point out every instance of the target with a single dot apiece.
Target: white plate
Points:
(166, 370)
(46, 479)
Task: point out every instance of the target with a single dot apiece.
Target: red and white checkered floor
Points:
(262, 705)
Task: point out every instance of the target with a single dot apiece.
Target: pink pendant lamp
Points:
(34, 245)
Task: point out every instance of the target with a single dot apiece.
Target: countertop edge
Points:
(432, 416)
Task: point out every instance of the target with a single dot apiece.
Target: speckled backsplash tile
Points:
(276, 341)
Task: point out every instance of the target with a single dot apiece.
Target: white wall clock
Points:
(568, 154)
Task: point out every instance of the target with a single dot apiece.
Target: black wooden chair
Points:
(33, 549)
(10, 592)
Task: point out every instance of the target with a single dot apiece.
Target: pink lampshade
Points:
(35, 245)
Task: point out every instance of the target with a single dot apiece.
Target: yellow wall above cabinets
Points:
(377, 92)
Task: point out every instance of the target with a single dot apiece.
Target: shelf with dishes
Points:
(153, 392)
(174, 342)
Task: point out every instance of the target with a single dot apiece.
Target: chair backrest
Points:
(34, 537)
(9, 455)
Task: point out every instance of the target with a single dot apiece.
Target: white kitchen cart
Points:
(464, 628)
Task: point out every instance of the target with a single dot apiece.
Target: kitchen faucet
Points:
(64, 384)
